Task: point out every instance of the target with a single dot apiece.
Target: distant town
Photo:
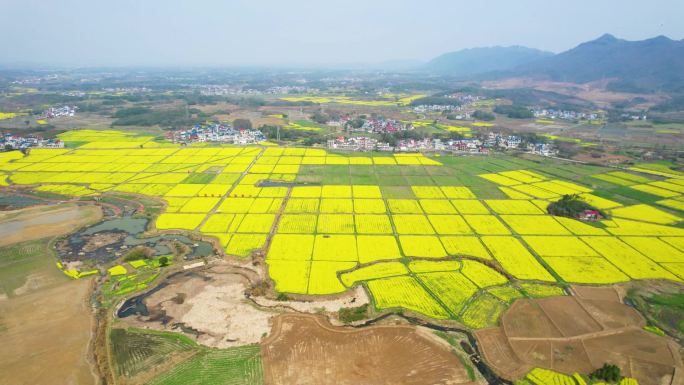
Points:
(489, 142)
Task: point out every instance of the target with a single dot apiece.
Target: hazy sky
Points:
(309, 32)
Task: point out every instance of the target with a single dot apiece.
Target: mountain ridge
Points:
(479, 60)
(654, 64)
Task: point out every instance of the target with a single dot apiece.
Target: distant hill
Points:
(652, 64)
(655, 64)
(475, 61)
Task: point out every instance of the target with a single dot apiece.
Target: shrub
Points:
(352, 314)
(608, 373)
(571, 206)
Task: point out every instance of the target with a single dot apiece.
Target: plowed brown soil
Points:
(578, 334)
(307, 350)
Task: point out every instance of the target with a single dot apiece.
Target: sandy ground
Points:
(352, 298)
(579, 334)
(45, 221)
(216, 307)
(213, 302)
(306, 349)
(44, 336)
(228, 319)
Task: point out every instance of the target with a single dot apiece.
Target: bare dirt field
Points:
(306, 349)
(595, 92)
(579, 334)
(45, 221)
(45, 318)
(213, 304)
(44, 336)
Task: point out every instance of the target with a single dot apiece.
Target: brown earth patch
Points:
(601, 293)
(569, 316)
(213, 304)
(528, 320)
(45, 336)
(97, 241)
(613, 315)
(595, 92)
(499, 352)
(570, 356)
(306, 349)
(537, 352)
(46, 323)
(594, 331)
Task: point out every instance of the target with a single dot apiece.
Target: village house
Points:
(17, 142)
(218, 133)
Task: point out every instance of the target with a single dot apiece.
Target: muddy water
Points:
(13, 202)
(13, 227)
(131, 230)
(136, 305)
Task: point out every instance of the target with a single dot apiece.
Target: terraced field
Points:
(172, 358)
(335, 221)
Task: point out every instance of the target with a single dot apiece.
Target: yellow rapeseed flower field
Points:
(399, 224)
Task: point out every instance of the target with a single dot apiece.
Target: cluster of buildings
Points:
(233, 90)
(364, 143)
(75, 94)
(459, 111)
(358, 143)
(56, 112)
(36, 79)
(425, 108)
(127, 90)
(225, 90)
(634, 116)
(549, 113)
(15, 142)
(219, 133)
(378, 126)
(515, 142)
(466, 145)
(464, 98)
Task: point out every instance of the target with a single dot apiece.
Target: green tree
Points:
(242, 123)
(483, 115)
(320, 117)
(607, 373)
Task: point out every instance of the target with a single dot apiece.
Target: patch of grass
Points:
(444, 180)
(635, 194)
(240, 365)
(135, 350)
(344, 179)
(353, 314)
(361, 170)
(392, 180)
(415, 180)
(664, 310)
(388, 170)
(364, 179)
(674, 300)
(73, 144)
(20, 260)
(397, 192)
(410, 170)
(199, 178)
